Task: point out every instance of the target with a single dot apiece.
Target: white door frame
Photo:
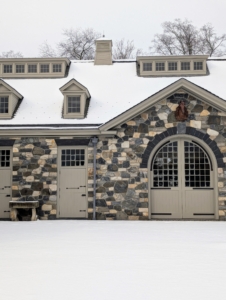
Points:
(209, 152)
(59, 148)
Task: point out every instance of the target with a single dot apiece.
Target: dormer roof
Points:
(74, 85)
(5, 87)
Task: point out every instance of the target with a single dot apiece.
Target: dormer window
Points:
(181, 65)
(172, 66)
(185, 66)
(76, 100)
(20, 68)
(4, 105)
(32, 68)
(8, 68)
(44, 68)
(147, 67)
(160, 67)
(198, 65)
(9, 100)
(56, 68)
(74, 104)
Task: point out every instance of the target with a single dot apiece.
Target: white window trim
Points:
(44, 64)
(9, 114)
(172, 59)
(80, 114)
(56, 64)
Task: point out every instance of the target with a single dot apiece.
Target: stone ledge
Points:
(24, 204)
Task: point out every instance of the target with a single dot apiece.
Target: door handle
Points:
(83, 195)
(6, 210)
(82, 185)
(71, 188)
(7, 186)
(7, 195)
(82, 210)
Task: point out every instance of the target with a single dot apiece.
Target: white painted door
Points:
(5, 183)
(73, 183)
(182, 182)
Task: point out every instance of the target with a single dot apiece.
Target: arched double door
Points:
(182, 181)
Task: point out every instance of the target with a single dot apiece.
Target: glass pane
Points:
(163, 163)
(5, 158)
(196, 166)
(73, 157)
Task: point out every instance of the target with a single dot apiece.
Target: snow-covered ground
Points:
(112, 260)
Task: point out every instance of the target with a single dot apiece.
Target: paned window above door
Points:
(72, 157)
(5, 158)
(197, 166)
(165, 166)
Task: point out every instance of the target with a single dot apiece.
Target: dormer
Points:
(76, 100)
(103, 55)
(9, 100)
(48, 67)
(181, 65)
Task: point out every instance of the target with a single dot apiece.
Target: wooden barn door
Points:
(182, 182)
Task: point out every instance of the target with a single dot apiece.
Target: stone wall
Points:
(35, 174)
(122, 176)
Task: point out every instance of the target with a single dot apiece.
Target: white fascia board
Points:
(18, 131)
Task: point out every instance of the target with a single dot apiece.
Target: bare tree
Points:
(78, 44)
(183, 38)
(47, 51)
(125, 49)
(212, 44)
(11, 54)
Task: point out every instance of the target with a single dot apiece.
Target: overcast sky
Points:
(26, 24)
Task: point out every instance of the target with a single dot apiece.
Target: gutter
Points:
(94, 141)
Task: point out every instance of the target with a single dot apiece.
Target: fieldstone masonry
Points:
(122, 174)
(35, 174)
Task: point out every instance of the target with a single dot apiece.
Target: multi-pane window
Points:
(32, 68)
(185, 65)
(197, 166)
(56, 68)
(172, 66)
(20, 68)
(160, 66)
(198, 65)
(165, 166)
(5, 158)
(74, 104)
(72, 157)
(8, 68)
(44, 68)
(147, 66)
(4, 105)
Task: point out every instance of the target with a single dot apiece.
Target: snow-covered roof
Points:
(113, 88)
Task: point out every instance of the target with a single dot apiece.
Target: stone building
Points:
(56, 115)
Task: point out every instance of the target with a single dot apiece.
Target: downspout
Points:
(94, 141)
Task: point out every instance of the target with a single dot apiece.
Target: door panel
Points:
(73, 189)
(182, 182)
(198, 203)
(166, 204)
(165, 191)
(73, 193)
(5, 193)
